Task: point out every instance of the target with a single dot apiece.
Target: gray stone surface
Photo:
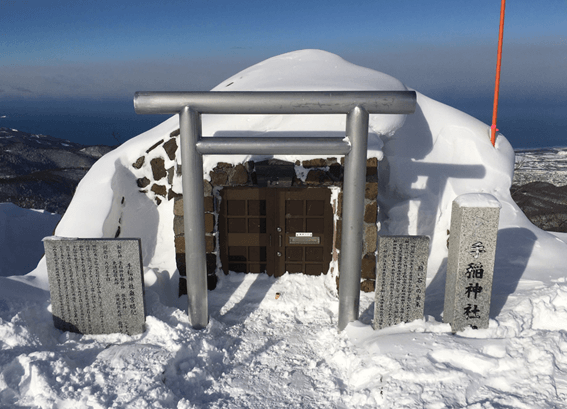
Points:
(400, 279)
(96, 285)
(470, 266)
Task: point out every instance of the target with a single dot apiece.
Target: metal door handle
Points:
(280, 240)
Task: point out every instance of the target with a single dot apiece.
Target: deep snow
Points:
(260, 350)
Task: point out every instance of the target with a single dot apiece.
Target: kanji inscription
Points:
(400, 279)
(470, 266)
(96, 285)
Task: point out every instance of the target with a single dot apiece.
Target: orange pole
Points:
(497, 85)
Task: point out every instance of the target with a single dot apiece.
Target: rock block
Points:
(158, 168)
(371, 212)
(139, 162)
(470, 266)
(155, 145)
(239, 176)
(369, 267)
(143, 182)
(371, 191)
(178, 206)
(370, 234)
(209, 223)
(367, 286)
(400, 279)
(96, 285)
(159, 189)
(170, 148)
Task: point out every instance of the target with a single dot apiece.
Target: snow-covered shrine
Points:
(271, 341)
(416, 165)
(275, 232)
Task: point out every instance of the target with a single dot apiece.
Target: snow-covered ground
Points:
(264, 350)
(260, 351)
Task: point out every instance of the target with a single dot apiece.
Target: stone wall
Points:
(161, 169)
(158, 178)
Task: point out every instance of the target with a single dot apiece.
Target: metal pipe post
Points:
(276, 103)
(354, 184)
(273, 146)
(194, 218)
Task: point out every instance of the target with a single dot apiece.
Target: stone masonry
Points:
(323, 172)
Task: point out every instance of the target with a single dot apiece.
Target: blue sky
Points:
(96, 50)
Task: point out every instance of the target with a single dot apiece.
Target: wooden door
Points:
(245, 226)
(305, 218)
(274, 230)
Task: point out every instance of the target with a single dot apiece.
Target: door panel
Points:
(275, 230)
(307, 230)
(243, 228)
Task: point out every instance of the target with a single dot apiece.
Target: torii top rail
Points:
(357, 105)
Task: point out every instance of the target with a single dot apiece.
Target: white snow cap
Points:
(305, 70)
(477, 200)
(309, 70)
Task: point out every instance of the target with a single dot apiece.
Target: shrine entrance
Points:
(276, 230)
(356, 105)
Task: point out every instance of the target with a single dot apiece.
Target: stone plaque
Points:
(96, 285)
(400, 279)
(470, 266)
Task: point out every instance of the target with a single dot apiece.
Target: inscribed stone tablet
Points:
(96, 285)
(400, 279)
(470, 266)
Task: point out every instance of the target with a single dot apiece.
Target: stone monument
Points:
(470, 267)
(96, 285)
(400, 279)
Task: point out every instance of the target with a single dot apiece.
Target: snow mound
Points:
(430, 158)
(306, 70)
(273, 342)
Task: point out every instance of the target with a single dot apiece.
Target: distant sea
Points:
(111, 122)
(526, 125)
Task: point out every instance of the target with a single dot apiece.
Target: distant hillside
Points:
(41, 172)
(540, 187)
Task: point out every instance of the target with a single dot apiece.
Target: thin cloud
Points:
(533, 70)
(115, 79)
(22, 89)
(527, 69)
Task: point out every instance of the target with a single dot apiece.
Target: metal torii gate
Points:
(357, 105)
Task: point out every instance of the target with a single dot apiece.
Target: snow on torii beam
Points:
(357, 105)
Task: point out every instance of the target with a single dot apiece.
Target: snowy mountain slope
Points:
(40, 171)
(263, 350)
